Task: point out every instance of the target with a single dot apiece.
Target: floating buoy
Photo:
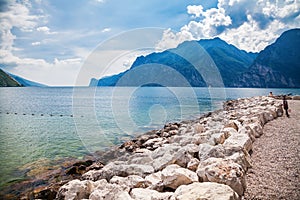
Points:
(42, 114)
(32, 114)
(51, 115)
(16, 113)
(7, 113)
(71, 115)
(61, 115)
(24, 114)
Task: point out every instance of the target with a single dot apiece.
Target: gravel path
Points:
(276, 160)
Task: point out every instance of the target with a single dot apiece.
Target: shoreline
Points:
(209, 135)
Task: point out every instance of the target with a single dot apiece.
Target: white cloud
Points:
(195, 10)
(106, 30)
(249, 25)
(57, 72)
(99, 1)
(45, 30)
(36, 43)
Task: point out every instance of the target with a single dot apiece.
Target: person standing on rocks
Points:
(285, 106)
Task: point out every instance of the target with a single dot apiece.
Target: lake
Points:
(40, 126)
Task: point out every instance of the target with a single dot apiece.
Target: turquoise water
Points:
(40, 126)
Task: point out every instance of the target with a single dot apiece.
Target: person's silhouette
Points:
(286, 106)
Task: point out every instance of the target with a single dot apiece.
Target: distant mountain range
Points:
(278, 65)
(11, 80)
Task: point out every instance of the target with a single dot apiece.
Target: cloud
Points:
(250, 25)
(36, 43)
(195, 10)
(17, 15)
(45, 29)
(106, 30)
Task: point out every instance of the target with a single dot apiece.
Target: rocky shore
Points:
(203, 158)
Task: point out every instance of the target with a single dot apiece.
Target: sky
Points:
(50, 41)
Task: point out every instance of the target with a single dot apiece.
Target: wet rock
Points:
(206, 190)
(174, 176)
(129, 146)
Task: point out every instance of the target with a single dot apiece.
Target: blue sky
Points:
(48, 41)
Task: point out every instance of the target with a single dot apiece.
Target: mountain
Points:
(177, 67)
(278, 65)
(25, 82)
(7, 81)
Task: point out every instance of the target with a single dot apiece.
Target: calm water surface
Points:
(40, 126)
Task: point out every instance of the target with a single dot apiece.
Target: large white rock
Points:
(174, 176)
(207, 151)
(148, 194)
(118, 169)
(163, 156)
(75, 190)
(256, 128)
(154, 178)
(109, 192)
(206, 190)
(223, 171)
(239, 140)
(132, 181)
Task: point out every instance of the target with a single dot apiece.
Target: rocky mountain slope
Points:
(278, 65)
(7, 81)
(230, 61)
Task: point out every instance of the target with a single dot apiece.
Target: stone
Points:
(164, 156)
(118, 169)
(233, 125)
(140, 158)
(154, 178)
(182, 157)
(206, 190)
(148, 194)
(207, 151)
(223, 171)
(257, 129)
(75, 190)
(174, 176)
(193, 164)
(228, 131)
(218, 138)
(239, 140)
(132, 181)
(198, 128)
(153, 143)
(107, 191)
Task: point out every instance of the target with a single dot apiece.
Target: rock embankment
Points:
(204, 158)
